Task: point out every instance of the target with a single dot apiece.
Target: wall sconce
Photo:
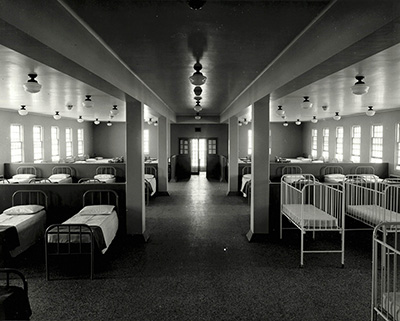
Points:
(22, 111)
(32, 86)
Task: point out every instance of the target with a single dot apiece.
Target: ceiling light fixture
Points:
(80, 119)
(109, 123)
(114, 111)
(198, 107)
(196, 4)
(314, 120)
(57, 116)
(197, 117)
(32, 86)
(197, 79)
(359, 88)
(197, 98)
(337, 116)
(298, 122)
(286, 124)
(306, 104)
(22, 111)
(150, 121)
(156, 123)
(88, 103)
(97, 121)
(197, 90)
(280, 111)
(240, 123)
(324, 108)
(370, 112)
(70, 106)
(245, 121)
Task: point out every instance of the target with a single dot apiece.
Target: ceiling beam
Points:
(334, 33)
(49, 32)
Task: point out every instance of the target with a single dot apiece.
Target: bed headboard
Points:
(106, 170)
(365, 170)
(332, 170)
(150, 170)
(62, 170)
(26, 197)
(293, 169)
(26, 170)
(101, 197)
(246, 170)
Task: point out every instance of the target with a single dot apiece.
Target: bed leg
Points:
(280, 225)
(302, 249)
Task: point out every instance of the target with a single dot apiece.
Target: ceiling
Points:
(120, 51)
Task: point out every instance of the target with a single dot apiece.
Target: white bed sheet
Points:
(66, 180)
(152, 181)
(103, 179)
(245, 178)
(19, 180)
(373, 214)
(312, 217)
(107, 223)
(30, 229)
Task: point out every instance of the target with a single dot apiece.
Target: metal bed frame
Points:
(26, 170)
(385, 302)
(313, 207)
(82, 232)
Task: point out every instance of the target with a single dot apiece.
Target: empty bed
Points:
(386, 272)
(106, 174)
(371, 202)
(26, 217)
(89, 231)
(312, 207)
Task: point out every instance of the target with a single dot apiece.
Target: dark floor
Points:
(198, 265)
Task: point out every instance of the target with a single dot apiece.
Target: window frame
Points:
(55, 144)
(249, 142)
(325, 143)
(376, 144)
(38, 145)
(339, 143)
(314, 142)
(355, 144)
(17, 144)
(80, 134)
(69, 145)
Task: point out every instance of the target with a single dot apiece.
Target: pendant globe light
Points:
(109, 124)
(198, 108)
(337, 116)
(156, 123)
(286, 124)
(57, 116)
(198, 79)
(32, 86)
(197, 117)
(88, 103)
(22, 111)
(298, 122)
(306, 104)
(80, 119)
(197, 90)
(97, 121)
(359, 88)
(314, 120)
(370, 112)
(280, 111)
(114, 111)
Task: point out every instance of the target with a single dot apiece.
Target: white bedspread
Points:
(309, 216)
(152, 181)
(245, 178)
(107, 223)
(373, 214)
(30, 228)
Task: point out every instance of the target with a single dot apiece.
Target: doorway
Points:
(198, 154)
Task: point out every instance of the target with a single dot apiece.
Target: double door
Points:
(198, 149)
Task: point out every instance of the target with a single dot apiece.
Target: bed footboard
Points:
(69, 240)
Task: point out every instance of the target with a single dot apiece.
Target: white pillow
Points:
(335, 176)
(97, 210)
(291, 178)
(23, 209)
(59, 176)
(148, 176)
(104, 176)
(24, 176)
(370, 177)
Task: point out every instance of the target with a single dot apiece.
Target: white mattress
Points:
(66, 180)
(391, 304)
(104, 179)
(372, 214)
(152, 180)
(30, 228)
(19, 180)
(107, 223)
(308, 216)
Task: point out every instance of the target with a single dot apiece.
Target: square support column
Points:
(260, 169)
(233, 156)
(135, 198)
(163, 141)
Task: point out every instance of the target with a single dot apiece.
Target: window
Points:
(398, 146)
(314, 140)
(212, 146)
(355, 144)
(325, 143)
(68, 142)
(17, 143)
(81, 148)
(376, 143)
(183, 146)
(146, 142)
(339, 144)
(55, 144)
(38, 144)
(249, 142)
